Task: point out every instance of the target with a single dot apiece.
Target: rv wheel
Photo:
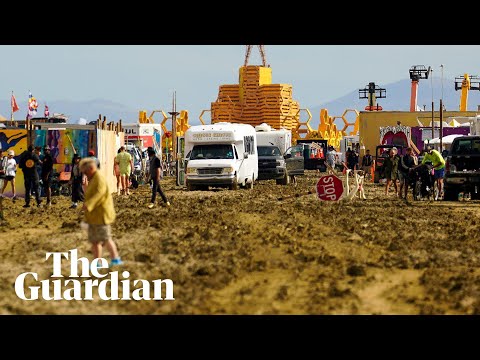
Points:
(190, 187)
(285, 180)
(250, 184)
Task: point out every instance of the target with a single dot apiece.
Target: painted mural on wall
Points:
(62, 143)
(157, 142)
(396, 135)
(15, 140)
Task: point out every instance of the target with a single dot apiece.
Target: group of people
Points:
(123, 167)
(351, 160)
(400, 167)
(38, 172)
(35, 166)
(88, 185)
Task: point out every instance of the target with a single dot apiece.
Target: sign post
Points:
(329, 188)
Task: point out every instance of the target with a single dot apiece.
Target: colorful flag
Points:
(32, 105)
(46, 113)
(14, 104)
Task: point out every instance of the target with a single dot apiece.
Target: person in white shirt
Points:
(3, 163)
(10, 172)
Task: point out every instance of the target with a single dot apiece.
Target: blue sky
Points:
(144, 77)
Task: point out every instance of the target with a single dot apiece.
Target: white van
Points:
(268, 136)
(221, 154)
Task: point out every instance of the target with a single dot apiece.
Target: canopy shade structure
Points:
(445, 140)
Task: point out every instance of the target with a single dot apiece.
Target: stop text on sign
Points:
(329, 188)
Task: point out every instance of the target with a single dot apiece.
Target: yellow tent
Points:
(454, 123)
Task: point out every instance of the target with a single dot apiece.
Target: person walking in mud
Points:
(28, 163)
(10, 173)
(125, 163)
(99, 212)
(155, 172)
(438, 163)
(116, 173)
(47, 174)
(3, 165)
(38, 152)
(391, 170)
(407, 162)
(331, 159)
(77, 180)
(367, 162)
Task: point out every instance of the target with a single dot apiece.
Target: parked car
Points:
(462, 168)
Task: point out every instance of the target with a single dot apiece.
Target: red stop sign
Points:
(168, 134)
(329, 188)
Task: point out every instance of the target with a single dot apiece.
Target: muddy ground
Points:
(246, 252)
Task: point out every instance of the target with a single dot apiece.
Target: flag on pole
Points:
(32, 105)
(14, 104)
(46, 113)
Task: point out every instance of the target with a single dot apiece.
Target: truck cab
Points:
(462, 168)
(273, 165)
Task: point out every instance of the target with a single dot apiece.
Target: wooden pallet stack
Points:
(255, 100)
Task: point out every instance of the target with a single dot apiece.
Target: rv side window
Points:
(236, 154)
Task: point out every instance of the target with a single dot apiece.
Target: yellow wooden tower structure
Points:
(255, 100)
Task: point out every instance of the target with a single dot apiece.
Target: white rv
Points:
(221, 154)
(268, 136)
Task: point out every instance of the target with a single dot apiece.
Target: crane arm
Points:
(261, 48)
(248, 52)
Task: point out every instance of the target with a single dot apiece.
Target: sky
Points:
(145, 76)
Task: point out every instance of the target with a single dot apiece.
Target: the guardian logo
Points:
(108, 286)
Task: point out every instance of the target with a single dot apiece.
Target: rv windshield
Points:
(212, 151)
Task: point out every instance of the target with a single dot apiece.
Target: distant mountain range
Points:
(398, 98)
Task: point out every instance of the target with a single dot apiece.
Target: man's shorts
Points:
(438, 174)
(367, 169)
(99, 233)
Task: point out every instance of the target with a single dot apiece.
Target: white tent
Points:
(437, 124)
(445, 140)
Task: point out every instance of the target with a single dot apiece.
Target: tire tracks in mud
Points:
(380, 296)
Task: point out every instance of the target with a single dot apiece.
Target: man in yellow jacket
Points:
(99, 211)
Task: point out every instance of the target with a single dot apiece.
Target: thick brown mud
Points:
(247, 252)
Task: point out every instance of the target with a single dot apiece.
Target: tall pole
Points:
(433, 109)
(441, 115)
(11, 109)
(174, 127)
(174, 114)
